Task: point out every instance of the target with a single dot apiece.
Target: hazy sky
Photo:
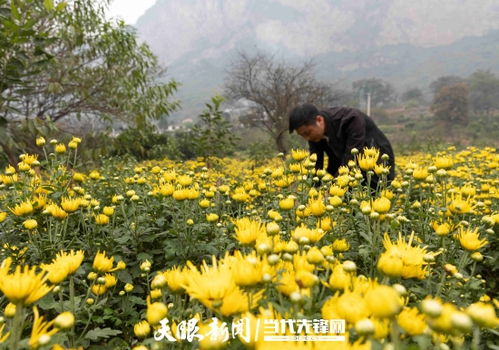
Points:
(129, 10)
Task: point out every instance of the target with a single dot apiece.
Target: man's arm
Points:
(333, 164)
(314, 148)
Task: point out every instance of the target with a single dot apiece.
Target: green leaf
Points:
(136, 300)
(61, 6)
(144, 256)
(125, 276)
(98, 333)
(49, 4)
(123, 239)
(14, 11)
(47, 302)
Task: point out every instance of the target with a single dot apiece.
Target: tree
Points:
(444, 81)
(212, 134)
(24, 40)
(451, 103)
(275, 87)
(484, 91)
(413, 94)
(382, 92)
(86, 66)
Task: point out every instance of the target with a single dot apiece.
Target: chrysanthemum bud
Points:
(295, 297)
(159, 281)
(330, 259)
(400, 289)
(10, 310)
(142, 329)
(287, 257)
(304, 240)
(477, 256)
(428, 258)
(365, 327)
(272, 228)
(263, 248)
(128, 287)
(431, 307)
(461, 321)
(145, 266)
(44, 339)
(65, 320)
(266, 277)
(40, 141)
(273, 259)
(349, 266)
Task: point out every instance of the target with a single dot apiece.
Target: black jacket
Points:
(348, 128)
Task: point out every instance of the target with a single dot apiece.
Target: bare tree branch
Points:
(276, 87)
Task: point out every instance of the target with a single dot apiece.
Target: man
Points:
(336, 132)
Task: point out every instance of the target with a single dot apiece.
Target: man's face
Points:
(313, 132)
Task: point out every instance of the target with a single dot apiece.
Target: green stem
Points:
(440, 284)
(17, 327)
(473, 268)
(73, 306)
(394, 334)
(61, 299)
(475, 342)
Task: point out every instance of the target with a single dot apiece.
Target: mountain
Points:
(409, 43)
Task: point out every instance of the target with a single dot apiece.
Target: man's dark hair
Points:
(302, 115)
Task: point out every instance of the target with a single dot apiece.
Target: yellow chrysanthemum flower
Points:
(441, 229)
(470, 239)
(60, 148)
(299, 154)
(101, 219)
(248, 231)
(412, 321)
(64, 264)
(368, 159)
(56, 211)
(23, 286)
(175, 278)
(303, 232)
(70, 204)
(104, 264)
(460, 205)
(30, 224)
(444, 162)
(246, 269)
(41, 332)
(316, 206)
(287, 203)
(40, 141)
(420, 173)
(23, 208)
(211, 284)
(381, 205)
(142, 329)
(383, 301)
(412, 258)
(30, 159)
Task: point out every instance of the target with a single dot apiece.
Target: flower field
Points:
(213, 253)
